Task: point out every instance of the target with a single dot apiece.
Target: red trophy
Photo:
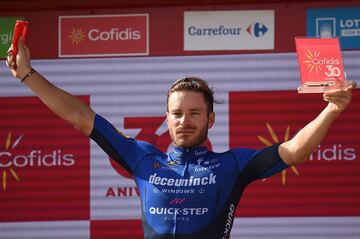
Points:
(20, 29)
(321, 65)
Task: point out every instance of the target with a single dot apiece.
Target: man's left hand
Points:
(339, 99)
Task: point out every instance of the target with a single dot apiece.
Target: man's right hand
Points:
(19, 66)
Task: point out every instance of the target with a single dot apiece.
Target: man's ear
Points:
(211, 120)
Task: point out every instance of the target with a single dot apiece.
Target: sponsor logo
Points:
(175, 191)
(333, 22)
(6, 33)
(214, 31)
(178, 211)
(76, 36)
(326, 27)
(9, 160)
(335, 153)
(156, 165)
(204, 165)
(36, 158)
(315, 62)
(103, 35)
(320, 61)
(173, 162)
(229, 221)
(201, 152)
(257, 29)
(204, 168)
(177, 218)
(228, 30)
(6, 38)
(350, 27)
(114, 34)
(177, 201)
(188, 182)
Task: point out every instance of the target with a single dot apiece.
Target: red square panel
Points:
(44, 164)
(328, 184)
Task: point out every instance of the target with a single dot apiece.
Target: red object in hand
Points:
(20, 29)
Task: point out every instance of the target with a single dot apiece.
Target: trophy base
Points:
(321, 87)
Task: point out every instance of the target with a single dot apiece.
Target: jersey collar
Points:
(187, 154)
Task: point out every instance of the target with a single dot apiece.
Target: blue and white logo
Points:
(257, 29)
(326, 27)
(335, 22)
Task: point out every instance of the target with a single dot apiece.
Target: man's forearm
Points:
(63, 104)
(299, 148)
(307, 139)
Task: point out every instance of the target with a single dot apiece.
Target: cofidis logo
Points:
(319, 59)
(10, 161)
(103, 35)
(44, 164)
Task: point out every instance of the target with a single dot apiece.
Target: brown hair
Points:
(195, 84)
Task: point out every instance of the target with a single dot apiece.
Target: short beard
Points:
(198, 141)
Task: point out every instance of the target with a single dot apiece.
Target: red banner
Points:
(44, 164)
(326, 185)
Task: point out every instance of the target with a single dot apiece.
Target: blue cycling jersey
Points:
(190, 192)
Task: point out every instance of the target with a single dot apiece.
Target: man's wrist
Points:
(332, 112)
(28, 74)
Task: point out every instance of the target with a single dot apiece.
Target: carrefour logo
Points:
(257, 29)
(220, 30)
(10, 161)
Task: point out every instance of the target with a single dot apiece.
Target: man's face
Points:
(187, 119)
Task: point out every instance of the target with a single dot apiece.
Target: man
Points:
(190, 192)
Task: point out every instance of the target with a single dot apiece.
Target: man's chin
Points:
(187, 144)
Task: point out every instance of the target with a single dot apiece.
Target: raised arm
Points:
(299, 148)
(65, 105)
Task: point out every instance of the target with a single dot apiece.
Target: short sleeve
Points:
(258, 164)
(127, 151)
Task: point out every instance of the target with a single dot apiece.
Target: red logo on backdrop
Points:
(326, 185)
(320, 60)
(103, 35)
(44, 164)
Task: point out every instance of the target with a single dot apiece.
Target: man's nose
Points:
(184, 120)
